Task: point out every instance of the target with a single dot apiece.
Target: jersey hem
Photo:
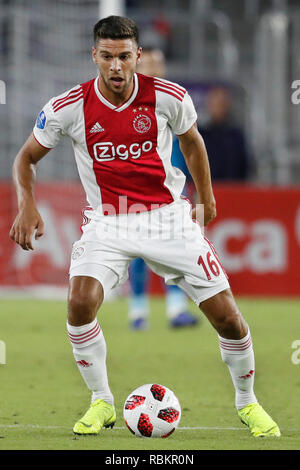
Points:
(187, 128)
(44, 146)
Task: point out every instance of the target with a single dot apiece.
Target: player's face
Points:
(116, 60)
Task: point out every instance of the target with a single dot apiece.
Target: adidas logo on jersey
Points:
(96, 128)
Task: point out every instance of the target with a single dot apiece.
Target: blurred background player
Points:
(153, 63)
(229, 156)
(225, 141)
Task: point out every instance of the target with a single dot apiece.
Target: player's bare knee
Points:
(82, 307)
(84, 299)
(230, 324)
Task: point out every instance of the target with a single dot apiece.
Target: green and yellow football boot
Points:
(100, 414)
(258, 421)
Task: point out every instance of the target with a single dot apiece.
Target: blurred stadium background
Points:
(249, 47)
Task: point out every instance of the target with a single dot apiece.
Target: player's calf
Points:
(223, 313)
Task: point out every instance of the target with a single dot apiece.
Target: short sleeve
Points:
(47, 129)
(185, 117)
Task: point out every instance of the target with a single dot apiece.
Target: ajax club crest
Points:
(141, 122)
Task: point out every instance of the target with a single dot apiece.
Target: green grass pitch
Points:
(42, 393)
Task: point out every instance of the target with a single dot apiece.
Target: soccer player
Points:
(153, 64)
(121, 126)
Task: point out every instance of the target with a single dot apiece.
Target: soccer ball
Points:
(152, 410)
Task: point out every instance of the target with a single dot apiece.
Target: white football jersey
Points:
(123, 153)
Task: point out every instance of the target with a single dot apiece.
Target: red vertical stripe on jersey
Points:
(124, 153)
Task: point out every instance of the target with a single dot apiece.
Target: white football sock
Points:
(89, 349)
(239, 356)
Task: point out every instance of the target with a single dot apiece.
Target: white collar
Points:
(124, 105)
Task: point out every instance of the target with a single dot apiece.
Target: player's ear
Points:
(94, 55)
(139, 53)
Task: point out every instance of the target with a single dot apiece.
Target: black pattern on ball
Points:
(145, 426)
(168, 414)
(134, 401)
(158, 392)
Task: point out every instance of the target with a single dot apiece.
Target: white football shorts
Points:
(167, 238)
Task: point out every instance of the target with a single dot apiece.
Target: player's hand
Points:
(204, 213)
(27, 221)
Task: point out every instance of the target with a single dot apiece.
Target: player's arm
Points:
(28, 218)
(193, 148)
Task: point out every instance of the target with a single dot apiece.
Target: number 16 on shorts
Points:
(209, 265)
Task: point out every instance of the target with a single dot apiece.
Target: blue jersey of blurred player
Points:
(153, 63)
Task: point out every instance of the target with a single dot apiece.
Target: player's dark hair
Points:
(116, 27)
